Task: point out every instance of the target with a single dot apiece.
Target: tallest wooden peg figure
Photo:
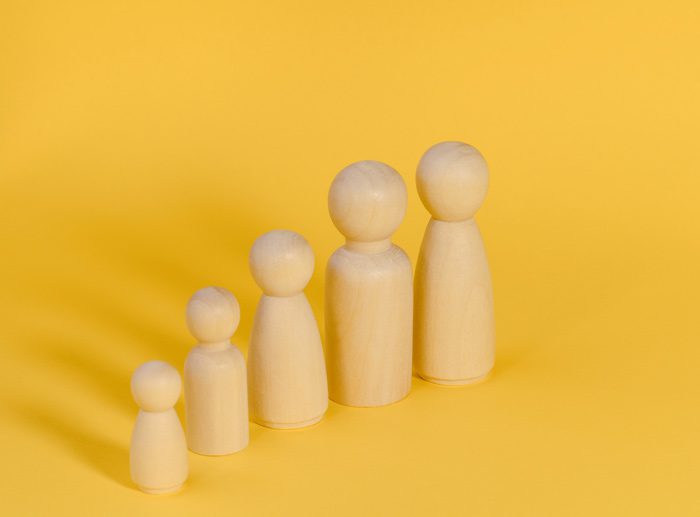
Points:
(454, 326)
(369, 295)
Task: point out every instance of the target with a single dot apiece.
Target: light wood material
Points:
(158, 452)
(454, 320)
(216, 394)
(287, 383)
(369, 292)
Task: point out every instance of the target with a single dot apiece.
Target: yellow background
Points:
(144, 145)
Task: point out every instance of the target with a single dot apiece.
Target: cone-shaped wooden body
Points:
(287, 383)
(158, 451)
(454, 322)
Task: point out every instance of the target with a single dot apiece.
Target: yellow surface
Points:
(144, 145)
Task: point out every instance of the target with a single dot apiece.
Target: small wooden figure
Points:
(158, 452)
(287, 383)
(454, 323)
(216, 394)
(369, 291)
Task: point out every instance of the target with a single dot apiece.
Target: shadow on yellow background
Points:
(144, 147)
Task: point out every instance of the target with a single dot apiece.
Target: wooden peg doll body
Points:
(216, 393)
(158, 451)
(287, 382)
(454, 319)
(369, 294)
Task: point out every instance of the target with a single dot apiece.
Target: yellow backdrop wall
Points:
(145, 145)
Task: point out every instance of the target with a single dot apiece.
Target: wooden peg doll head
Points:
(213, 315)
(452, 180)
(367, 201)
(156, 386)
(281, 262)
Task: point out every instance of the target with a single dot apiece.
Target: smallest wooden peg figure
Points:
(216, 393)
(286, 370)
(158, 453)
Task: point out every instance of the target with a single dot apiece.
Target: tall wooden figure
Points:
(369, 292)
(454, 324)
(158, 452)
(216, 392)
(287, 383)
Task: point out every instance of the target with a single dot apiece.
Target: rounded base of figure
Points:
(292, 425)
(162, 491)
(366, 403)
(209, 452)
(455, 382)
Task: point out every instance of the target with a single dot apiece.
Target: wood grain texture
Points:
(454, 318)
(216, 392)
(287, 380)
(158, 451)
(454, 336)
(368, 310)
(369, 292)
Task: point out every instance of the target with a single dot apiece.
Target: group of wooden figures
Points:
(376, 336)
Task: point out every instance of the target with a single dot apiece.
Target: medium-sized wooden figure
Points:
(158, 452)
(369, 289)
(287, 383)
(216, 393)
(454, 321)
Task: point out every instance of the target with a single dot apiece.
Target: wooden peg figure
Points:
(287, 383)
(369, 291)
(216, 394)
(158, 452)
(454, 321)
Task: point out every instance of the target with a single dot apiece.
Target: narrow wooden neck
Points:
(368, 247)
(148, 412)
(471, 220)
(217, 345)
(294, 295)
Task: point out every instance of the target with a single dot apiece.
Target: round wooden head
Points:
(213, 315)
(156, 386)
(281, 262)
(367, 201)
(452, 180)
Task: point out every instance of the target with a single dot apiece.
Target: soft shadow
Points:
(112, 384)
(333, 411)
(509, 358)
(104, 456)
(134, 265)
(256, 432)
